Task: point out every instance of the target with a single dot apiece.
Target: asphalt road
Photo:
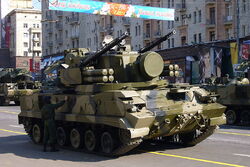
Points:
(229, 146)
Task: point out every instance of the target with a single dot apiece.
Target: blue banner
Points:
(114, 9)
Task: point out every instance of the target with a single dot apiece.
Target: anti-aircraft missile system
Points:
(116, 100)
(13, 84)
(233, 93)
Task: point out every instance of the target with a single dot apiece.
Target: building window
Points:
(66, 33)
(37, 26)
(172, 24)
(195, 15)
(200, 39)
(158, 26)
(77, 43)
(38, 44)
(172, 42)
(136, 31)
(25, 35)
(168, 3)
(73, 44)
(118, 33)
(172, 3)
(183, 4)
(212, 35)
(183, 40)
(243, 30)
(25, 53)
(199, 16)
(89, 42)
(244, 6)
(25, 25)
(139, 29)
(212, 15)
(34, 25)
(227, 33)
(25, 44)
(169, 24)
(148, 30)
(195, 38)
(169, 43)
(128, 30)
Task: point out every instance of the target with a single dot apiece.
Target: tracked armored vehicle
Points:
(13, 84)
(116, 100)
(235, 94)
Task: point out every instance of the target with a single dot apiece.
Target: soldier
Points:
(48, 115)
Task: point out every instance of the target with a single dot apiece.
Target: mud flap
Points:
(218, 120)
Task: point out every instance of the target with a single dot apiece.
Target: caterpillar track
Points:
(191, 138)
(124, 148)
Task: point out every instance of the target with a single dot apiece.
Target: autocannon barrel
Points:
(157, 42)
(105, 49)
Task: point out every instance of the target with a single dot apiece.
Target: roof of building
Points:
(27, 10)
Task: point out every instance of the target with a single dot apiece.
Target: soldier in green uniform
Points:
(48, 115)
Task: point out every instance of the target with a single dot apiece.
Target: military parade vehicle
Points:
(13, 84)
(235, 94)
(116, 100)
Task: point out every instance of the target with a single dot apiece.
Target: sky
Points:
(37, 4)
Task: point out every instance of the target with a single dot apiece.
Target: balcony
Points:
(50, 44)
(49, 30)
(210, 23)
(59, 13)
(108, 28)
(74, 35)
(36, 39)
(59, 25)
(37, 48)
(59, 41)
(210, 2)
(126, 21)
(146, 36)
(74, 19)
(157, 34)
(228, 20)
(181, 7)
(49, 17)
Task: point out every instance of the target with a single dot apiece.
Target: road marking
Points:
(232, 133)
(16, 126)
(9, 112)
(243, 155)
(21, 133)
(196, 159)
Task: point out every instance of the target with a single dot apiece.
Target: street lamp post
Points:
(238, 28)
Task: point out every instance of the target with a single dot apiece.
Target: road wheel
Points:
(17, 103)
(36, 133)
(4, 101)
(61, 135)
(90, 140)
(75, 138)
(231, 117)
(107, 142)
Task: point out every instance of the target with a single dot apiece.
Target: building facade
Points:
(195, 22)
(7, 6)
(25, 36)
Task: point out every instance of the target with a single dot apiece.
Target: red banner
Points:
(245, 51)
(31, 65)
